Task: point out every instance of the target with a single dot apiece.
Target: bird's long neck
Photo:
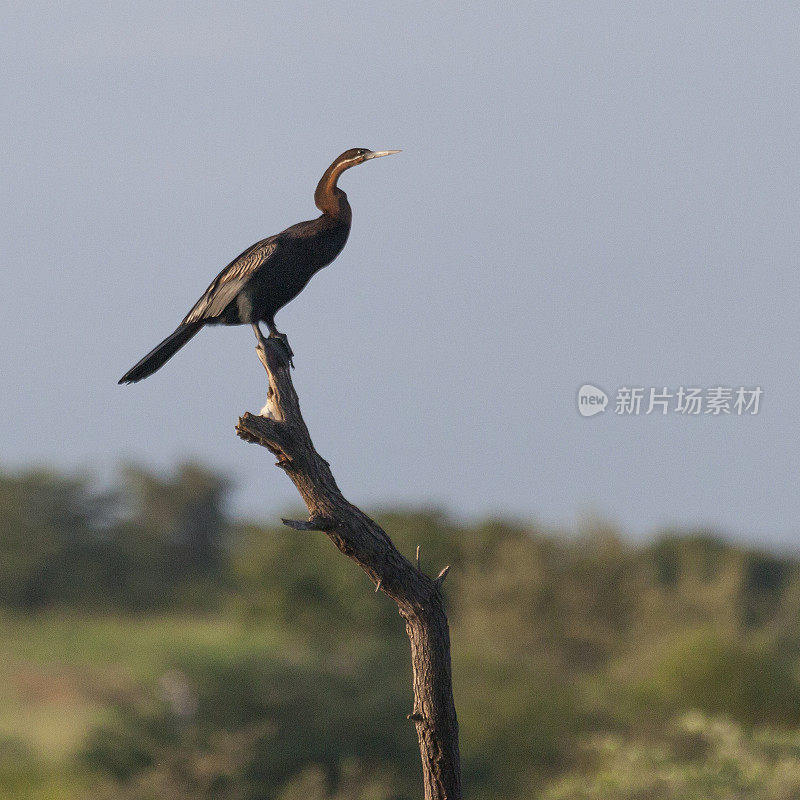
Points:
(329, 198)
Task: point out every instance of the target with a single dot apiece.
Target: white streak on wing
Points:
(230, 282)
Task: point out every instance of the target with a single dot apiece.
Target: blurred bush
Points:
(150, 542)
(696, 758)
(203, 657)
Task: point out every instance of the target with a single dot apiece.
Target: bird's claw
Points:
(284, 342)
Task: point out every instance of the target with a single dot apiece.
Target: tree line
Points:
(558, 638)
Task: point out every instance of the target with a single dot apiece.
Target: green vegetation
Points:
(153, 648)
(694, 758)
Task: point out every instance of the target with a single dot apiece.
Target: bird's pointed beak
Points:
(380, 153)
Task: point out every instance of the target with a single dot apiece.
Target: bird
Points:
(270, 273)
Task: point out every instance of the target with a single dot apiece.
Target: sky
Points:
(601, 193)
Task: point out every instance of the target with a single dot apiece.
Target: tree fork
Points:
(281, 429)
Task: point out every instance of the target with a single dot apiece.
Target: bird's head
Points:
(328, 197)
(358, 155)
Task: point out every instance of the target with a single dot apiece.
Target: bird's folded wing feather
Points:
(231, 281)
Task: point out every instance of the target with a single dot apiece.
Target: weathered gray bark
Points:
(280, 428)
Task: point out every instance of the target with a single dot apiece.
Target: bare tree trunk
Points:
(281, 429)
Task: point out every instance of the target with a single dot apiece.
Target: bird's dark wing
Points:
(231, 281)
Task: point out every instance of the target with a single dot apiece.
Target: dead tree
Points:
(281, 429)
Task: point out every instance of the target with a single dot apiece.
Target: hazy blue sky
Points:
(588, 192)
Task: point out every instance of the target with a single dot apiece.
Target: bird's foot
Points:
(284, 344)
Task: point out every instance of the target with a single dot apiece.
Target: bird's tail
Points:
(162, 353)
